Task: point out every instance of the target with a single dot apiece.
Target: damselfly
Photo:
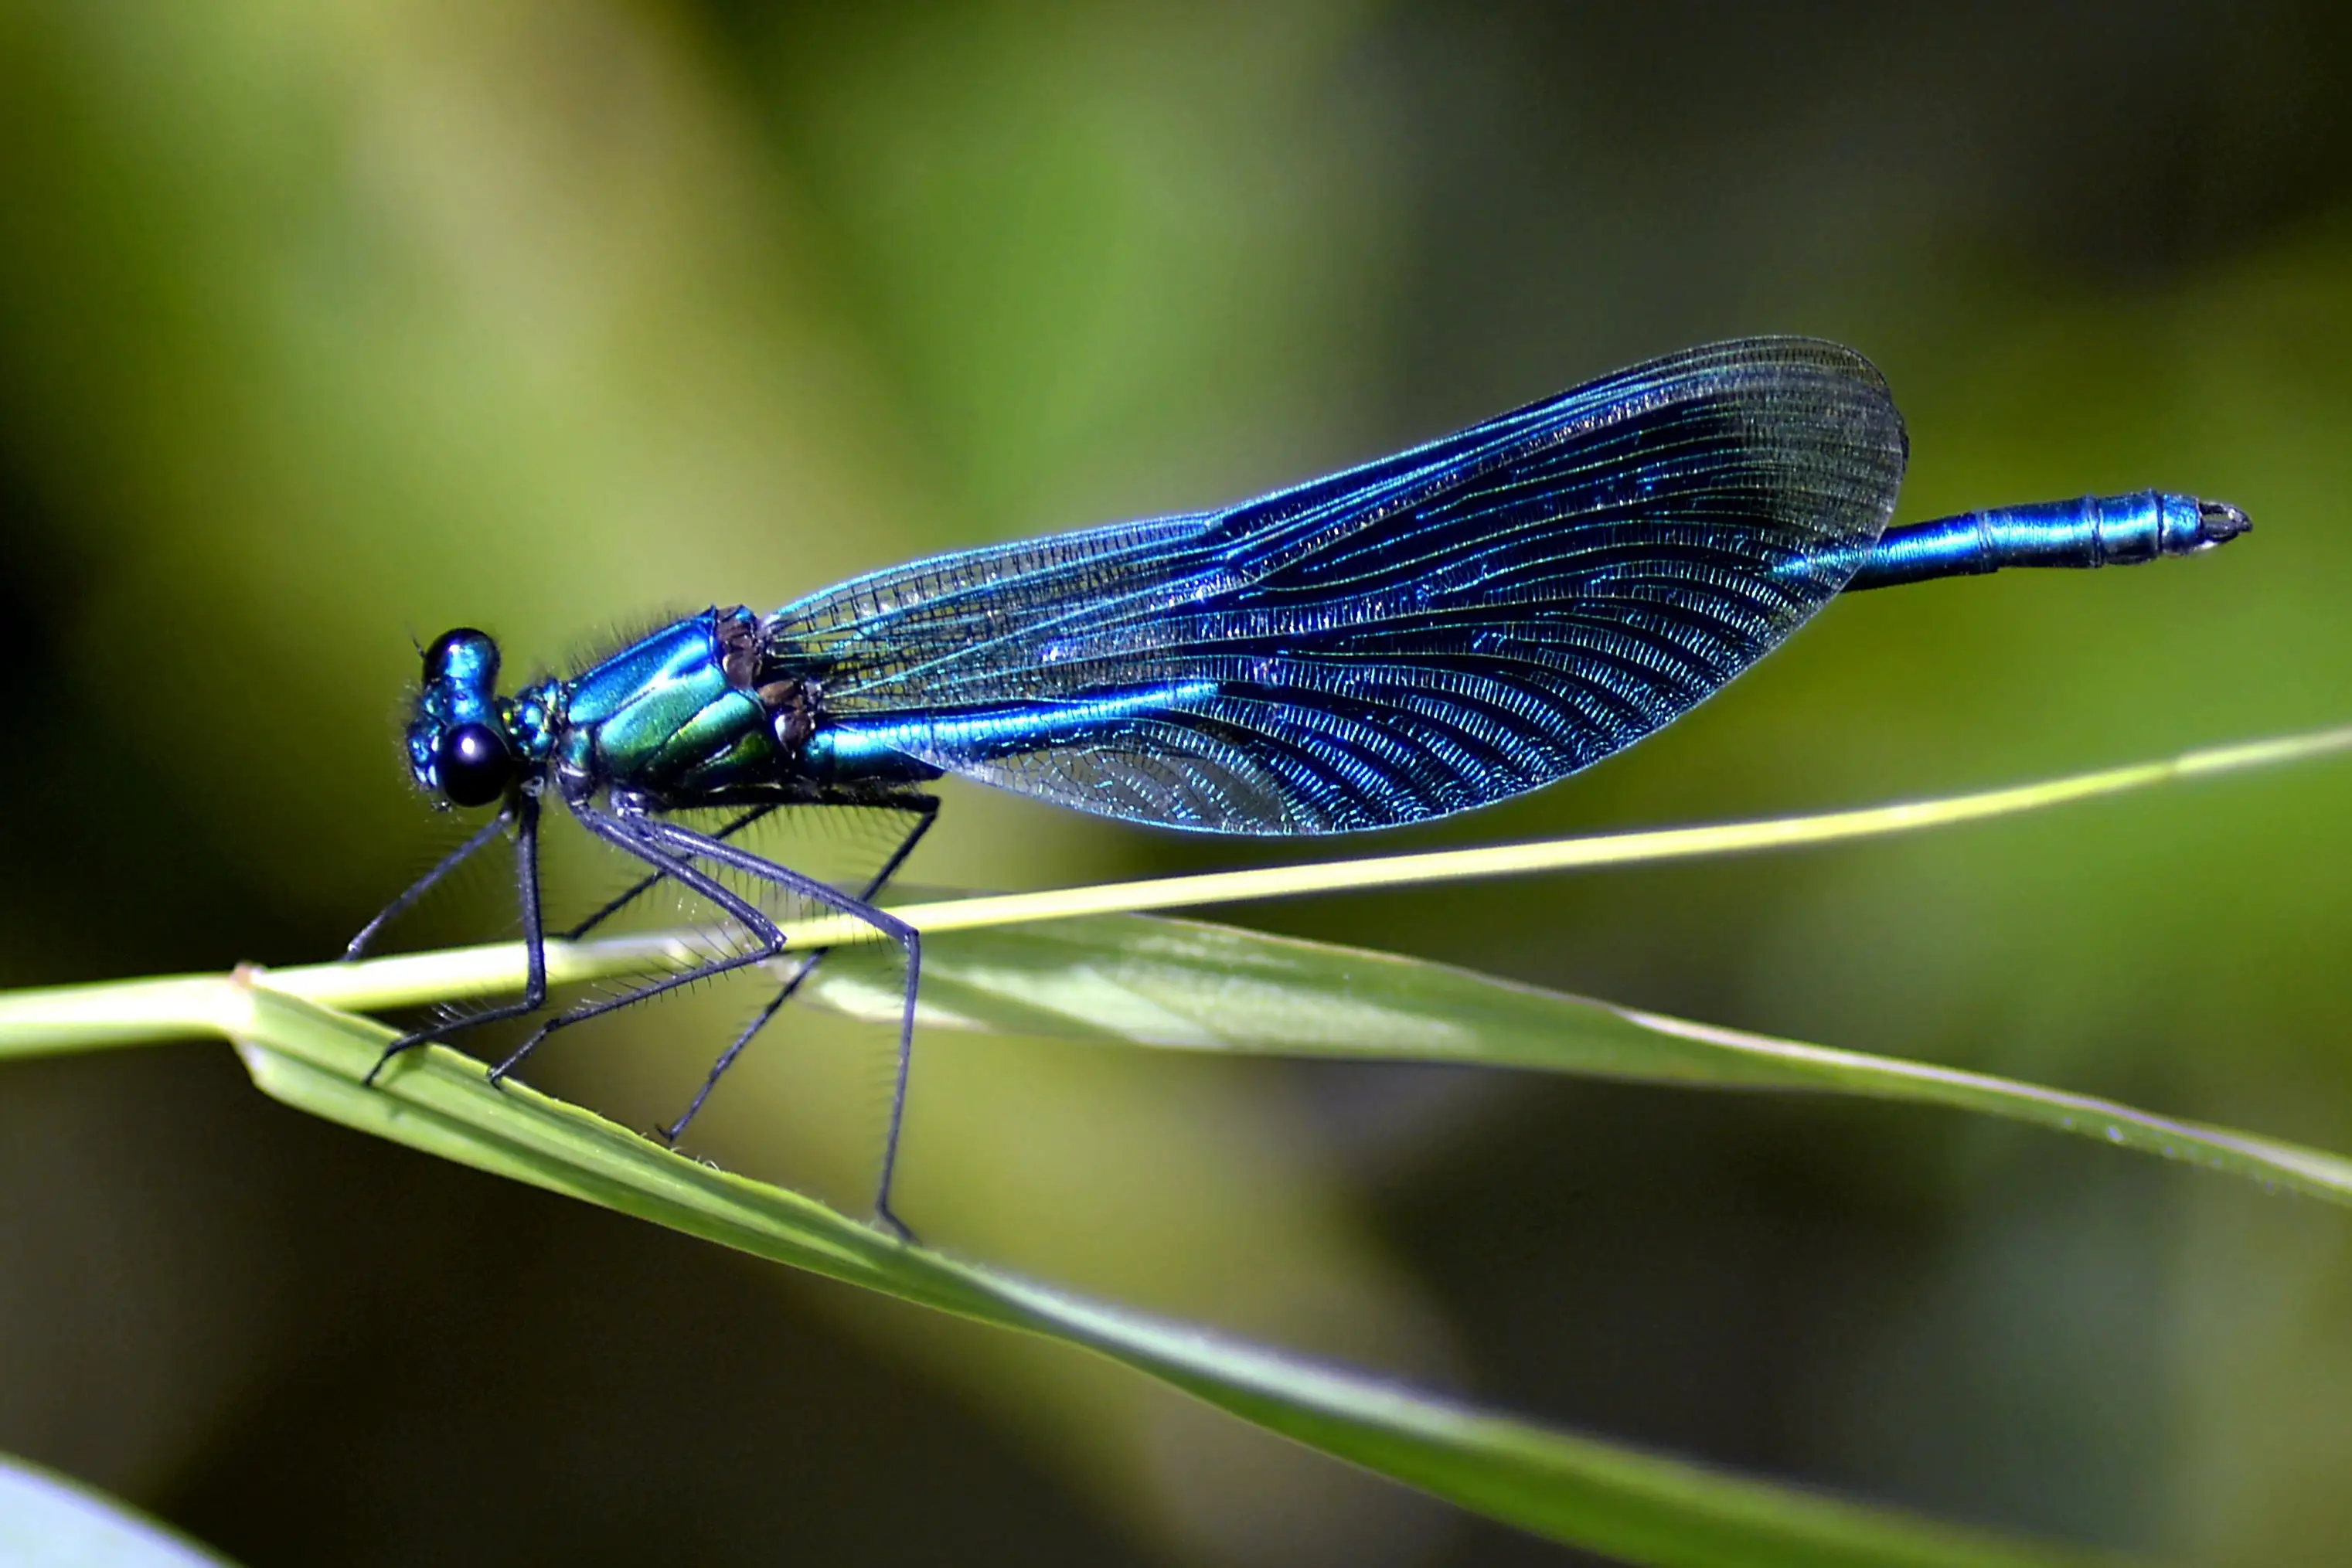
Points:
(1431, 632)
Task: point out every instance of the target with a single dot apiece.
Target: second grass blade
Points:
(1641, 1508)
(1191, 985)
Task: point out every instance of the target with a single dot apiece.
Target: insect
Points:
(1437, 630)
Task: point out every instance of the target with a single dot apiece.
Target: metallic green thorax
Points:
(669, 715)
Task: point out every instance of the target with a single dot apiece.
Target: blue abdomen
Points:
(916, 747)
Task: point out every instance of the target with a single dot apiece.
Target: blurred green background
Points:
(321, 327)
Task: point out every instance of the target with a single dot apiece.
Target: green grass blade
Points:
(474, 972)
(1189, 984)
(79, 1019)
(1638, 1507)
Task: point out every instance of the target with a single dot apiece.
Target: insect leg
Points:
(927, 810)
(534, 942)
(645, 840)
(630, 895)
(423, 885)
(701, 846)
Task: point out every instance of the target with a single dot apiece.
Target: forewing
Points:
(1441, 629)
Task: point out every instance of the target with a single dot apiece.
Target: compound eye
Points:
(474, 765)
(473, 653)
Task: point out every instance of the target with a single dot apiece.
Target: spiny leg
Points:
(424, 884)
(534, 942)
(926, 809)
(645, 884)
(701, 846)
(645, 840)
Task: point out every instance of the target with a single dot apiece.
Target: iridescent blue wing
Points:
(1431, 632)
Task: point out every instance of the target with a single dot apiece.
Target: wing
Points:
(1429, 632)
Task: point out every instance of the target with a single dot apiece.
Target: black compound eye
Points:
(473, 652)
(474, 765)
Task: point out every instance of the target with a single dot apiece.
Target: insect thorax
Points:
(693, 711)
